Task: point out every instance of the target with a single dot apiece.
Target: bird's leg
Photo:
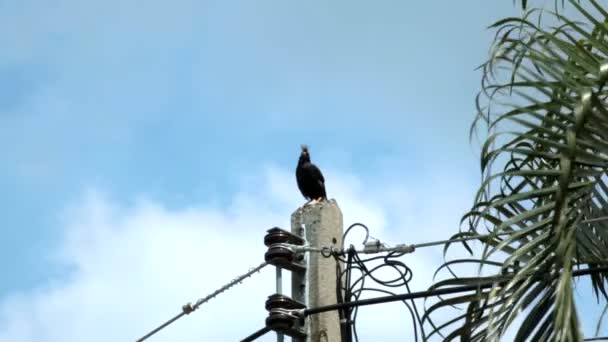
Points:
(320, 199)
(312, 201)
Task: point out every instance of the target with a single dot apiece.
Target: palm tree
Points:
(542, 209)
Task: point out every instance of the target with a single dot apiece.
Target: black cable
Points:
(162, 326)
(405, 275)
(340, 299)
(407, 305)
(348, 293)
(353, 287)
(357, 224)
(356, 294)
(256, 334)
(488, 283)
(188, 308)
(407, 286)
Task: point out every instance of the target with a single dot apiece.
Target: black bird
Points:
(310, 179)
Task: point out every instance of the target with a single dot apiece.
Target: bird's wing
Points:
(316, 173)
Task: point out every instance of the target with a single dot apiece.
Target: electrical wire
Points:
(487, 283)
(188, 308)
(354, 286)
(379, 247)
(353, 262)
(357, 288)
(256, 334)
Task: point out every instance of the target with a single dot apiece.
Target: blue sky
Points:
(115, 115)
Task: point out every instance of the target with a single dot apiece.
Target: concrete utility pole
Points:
(320, 224)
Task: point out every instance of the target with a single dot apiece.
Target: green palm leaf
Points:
(545, 210)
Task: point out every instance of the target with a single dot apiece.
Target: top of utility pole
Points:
(320, 224)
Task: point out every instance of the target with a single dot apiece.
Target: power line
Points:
(188, 308)
(422, 294)
(256, 334)
(369, 248)
(355, 287)
(162, 326)
(378, 247)
(428, 293)
(229, 285)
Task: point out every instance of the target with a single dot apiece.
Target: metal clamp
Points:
(280, 255)
(283, 315)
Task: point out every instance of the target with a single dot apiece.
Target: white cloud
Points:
(132, 267)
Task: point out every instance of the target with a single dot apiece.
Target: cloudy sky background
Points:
(147, 147)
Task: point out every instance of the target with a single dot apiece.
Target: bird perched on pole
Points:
(310, 179)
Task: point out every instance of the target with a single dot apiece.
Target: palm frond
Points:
(544, 108)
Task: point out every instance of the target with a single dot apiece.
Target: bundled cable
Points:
(354, 281)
